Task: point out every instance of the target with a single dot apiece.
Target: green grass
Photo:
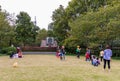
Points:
(116, 58)
(50, 68)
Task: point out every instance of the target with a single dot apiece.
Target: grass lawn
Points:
(50, 68)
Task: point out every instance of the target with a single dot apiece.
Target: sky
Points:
(41, 9)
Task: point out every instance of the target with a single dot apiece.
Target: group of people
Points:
(18, 54)
(105, 56)
(61, 53)
(94, 59)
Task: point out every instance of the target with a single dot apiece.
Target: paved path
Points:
(39, 53)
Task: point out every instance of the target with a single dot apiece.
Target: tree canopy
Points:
(6, 31)
(25, 29)
(89, 23)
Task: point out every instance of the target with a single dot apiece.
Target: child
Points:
(19, 52)
(95, 61)
(87, 56)
(101, 54)
(78, 51)
(61, 56)
(15, 55)
(98, 61)
(11, 55)
(89, 51)
(62, 53)
(57, 53)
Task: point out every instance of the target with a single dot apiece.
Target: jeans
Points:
(62, 57)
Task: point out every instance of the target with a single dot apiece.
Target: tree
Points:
(6, 31)
(95, 28)
(78, 7)
(42, 34)
(62, 18)
(60, 24)
(50, 30)
(25, 29)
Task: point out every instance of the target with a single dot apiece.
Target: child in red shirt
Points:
(87, 56)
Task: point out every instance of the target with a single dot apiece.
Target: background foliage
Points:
(88, 23)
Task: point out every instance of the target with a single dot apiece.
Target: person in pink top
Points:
(58, 53)
(19, 52)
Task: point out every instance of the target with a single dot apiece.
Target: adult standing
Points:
(78, 51)
(107, 56)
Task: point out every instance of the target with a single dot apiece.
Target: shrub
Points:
(3, 50)
(70, 44)
(8, 50)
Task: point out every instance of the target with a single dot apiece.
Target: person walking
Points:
(107, 57)
(78, 51)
